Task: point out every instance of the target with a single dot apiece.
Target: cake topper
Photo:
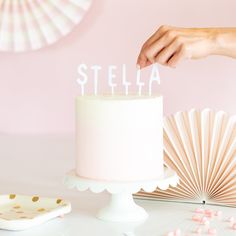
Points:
(154, 77)
(125, 83)
(112, 78)
(82, 80)
(96, 68)
(138, 82)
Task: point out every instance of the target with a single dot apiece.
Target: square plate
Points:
(19, 212)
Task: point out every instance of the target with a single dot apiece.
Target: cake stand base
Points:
(122, 207)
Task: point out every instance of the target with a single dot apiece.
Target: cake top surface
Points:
(118, 97)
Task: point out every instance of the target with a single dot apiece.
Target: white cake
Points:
(119, 138)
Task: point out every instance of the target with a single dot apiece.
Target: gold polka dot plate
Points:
(19, 212)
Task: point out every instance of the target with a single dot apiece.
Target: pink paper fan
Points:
(201, 147)
(33, 24)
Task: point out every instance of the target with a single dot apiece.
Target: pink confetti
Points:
(208, 211)
(198, 230)
(210, 214)
(234, 226)
(177, 232)
(205, 221)
(196, 218)
(199, 210)
(212, 231)
(218, 213)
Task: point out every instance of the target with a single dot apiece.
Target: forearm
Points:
(225, 42)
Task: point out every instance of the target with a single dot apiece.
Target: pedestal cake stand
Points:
(121, 207)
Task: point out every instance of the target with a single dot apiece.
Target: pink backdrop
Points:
(37, 89)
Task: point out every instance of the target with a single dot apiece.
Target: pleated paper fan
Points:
(33, 24)
(201, 147)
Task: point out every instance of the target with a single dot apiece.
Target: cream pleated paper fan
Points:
(201, 147)
(33, 24)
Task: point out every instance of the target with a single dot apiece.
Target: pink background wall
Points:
(37, 89)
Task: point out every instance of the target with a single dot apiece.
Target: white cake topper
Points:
(124, 81)
(139, 84)
(84, 76)
(96, 68)
(154, 77)
(111, 76)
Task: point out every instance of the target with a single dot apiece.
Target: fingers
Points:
(143, 60)
(158, 46)
(178, 56)
(167, 52)
(158, 34)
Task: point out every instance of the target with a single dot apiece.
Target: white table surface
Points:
(35, 165)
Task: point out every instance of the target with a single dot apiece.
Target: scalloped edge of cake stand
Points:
(169, 178)
(122, 207)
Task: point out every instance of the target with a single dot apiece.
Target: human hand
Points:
(170, 45)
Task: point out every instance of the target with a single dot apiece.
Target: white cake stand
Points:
(122, 207)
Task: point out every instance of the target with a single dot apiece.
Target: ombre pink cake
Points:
(119, 138)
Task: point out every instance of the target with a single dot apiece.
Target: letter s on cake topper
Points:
(82, 80)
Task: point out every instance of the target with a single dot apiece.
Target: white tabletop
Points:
(35, 165)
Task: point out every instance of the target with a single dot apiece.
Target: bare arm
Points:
(169, 45)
